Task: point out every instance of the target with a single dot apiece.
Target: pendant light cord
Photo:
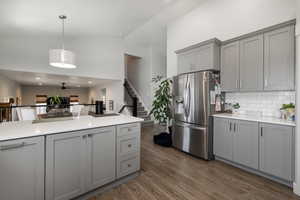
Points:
(63, 17)
(63, 33)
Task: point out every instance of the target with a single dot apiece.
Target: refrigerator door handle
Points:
(189, 98)
(185, 98)
(191, 126)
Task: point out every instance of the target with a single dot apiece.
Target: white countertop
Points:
(257, 119)
(24, 129)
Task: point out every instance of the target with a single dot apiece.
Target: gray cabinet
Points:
(279, 50)
(277, 151)
(251, 63)
(65, 165)
(202, 56)
(223, 138)
(128, 149)
(230, 57)
(101, 157)
(22, 169)
(80, 161)
(236, 141)
(260, 61)
(245, 143)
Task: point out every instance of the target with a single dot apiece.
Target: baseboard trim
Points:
(254, 171)
(107, 187)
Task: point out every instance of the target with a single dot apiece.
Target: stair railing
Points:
(134, 104)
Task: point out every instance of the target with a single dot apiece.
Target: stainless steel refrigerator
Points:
(193, 105)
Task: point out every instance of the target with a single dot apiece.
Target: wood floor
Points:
(168, 174)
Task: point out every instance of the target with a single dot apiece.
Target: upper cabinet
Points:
(279, 54)
(251, 63)
(260, 61)
(202, 56)
(230, 67)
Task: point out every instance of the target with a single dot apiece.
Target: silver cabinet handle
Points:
(266, 83)
(230, 126)
(261, 131)
(234, 127)
(241, 83)
(12, 146)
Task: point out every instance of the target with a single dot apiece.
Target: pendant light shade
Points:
(60, 57)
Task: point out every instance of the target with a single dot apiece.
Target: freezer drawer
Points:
(191, 139)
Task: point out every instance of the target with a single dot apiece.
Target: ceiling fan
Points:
(63, 86)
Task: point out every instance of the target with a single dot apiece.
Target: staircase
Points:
(141, 111)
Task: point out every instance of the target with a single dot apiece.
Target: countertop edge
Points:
(251, 118)
(53, 132)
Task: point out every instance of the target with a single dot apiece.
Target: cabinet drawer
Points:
(128, 129)
(128, 144)
(128, 165)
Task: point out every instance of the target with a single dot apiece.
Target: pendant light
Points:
(60, 57)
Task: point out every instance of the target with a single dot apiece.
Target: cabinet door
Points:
(279, 58)
(65, 165)
(245, 143)
(101, 157)
(22, 169)
(223, 140)
(186, 62)
(276, 151)
(251, 63)
(230, 67)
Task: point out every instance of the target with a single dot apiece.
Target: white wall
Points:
(224, 19)
(114, 91)
(297, 141)
(29, 93)
(98, 57)
(8, 89)
(149, 43)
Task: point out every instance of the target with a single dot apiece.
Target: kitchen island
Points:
(65, 159)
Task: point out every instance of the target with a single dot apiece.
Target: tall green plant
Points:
(55, 100)
(161, 106)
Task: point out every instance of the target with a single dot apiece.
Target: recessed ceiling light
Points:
(40, 83)
(90, 82)
(78, 85)
(37, 78)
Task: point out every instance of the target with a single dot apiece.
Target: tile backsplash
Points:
(261, 103)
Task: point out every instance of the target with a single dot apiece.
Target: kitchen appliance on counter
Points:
(194, 103)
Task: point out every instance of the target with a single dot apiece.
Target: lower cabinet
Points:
(236, 141)
(277, 151)
(223, 142)
(267, 148)
(77, 162)
(128, 149)
(245, 143)
(22, 169)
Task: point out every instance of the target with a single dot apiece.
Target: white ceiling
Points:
(85, 17)
(30, 78)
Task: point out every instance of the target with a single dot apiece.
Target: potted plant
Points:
(288, 111)
(235, 107)
(161, 109)
(55, 101)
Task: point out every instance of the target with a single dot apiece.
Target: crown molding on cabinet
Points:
(261, 31)
(213, 40)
